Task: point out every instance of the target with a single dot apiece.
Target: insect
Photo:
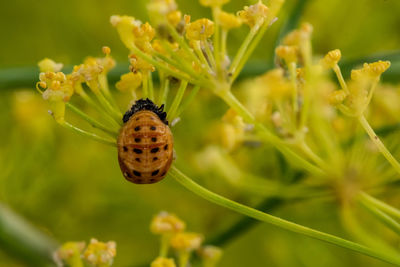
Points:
(145, 143)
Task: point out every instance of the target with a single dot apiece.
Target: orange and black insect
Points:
(145, 143)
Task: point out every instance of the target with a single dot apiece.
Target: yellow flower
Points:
(213, 3)
(375, 69)
(100, 253)
(165, 222)
(174, 17)
(331, 58)
(129, 81)
(70, 253)
(297, 37)
(337, 97)
(125, 26)
(47, 65)
(254, 14)
(228, 21)
(288, 53)
(210, 255)
(186, 241)
(139, 64)
(163, 262)
(200, 29)
(162, 7)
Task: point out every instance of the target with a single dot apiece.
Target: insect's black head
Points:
(146, 104)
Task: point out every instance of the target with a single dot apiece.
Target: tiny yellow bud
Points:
(165, 222)
(332, 58)
(55, 85)
(163, 262)
(375, 69)
(357, 74)
(47, 65)
(288, 53)
(69, 252)
(254, 14)
(186, 241)
(129, 81)
(228, 21)
(200, 29)
(337, 97)
(106, 50)
(138, 64)
(42, 85)
(210, 255)
(100, 253)
(213, 3)
(174, 17)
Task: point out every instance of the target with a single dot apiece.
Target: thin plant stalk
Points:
(92, 121)
(177, 100)
(107, 141)
(281, 223)
(382, 148)
(381, 205)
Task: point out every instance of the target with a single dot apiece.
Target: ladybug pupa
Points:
(145, 143)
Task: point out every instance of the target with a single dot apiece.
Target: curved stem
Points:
(381, 205)
(177, 100)
(91, 120)
(382, 148)
(93, 136)
(290, 226)
(380, 215)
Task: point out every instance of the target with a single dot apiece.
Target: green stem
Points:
(151, 87)
(381, 205)
(267, 135)
(375, 139)
(93, 136)
(217, 38)
(340, 78)
(234, 68)
(20, 239)
(188, 100)
(106, 115)
(281, 223)
(164, 93)
(209, 54)
(181, 41)
(145, 87)
(382, 216)
(177, 100)
(163, 67)
(91, 120)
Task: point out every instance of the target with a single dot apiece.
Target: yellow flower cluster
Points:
(97, 254)
(100, 253)
(171, 229)
(200, 29)
(228, 21)
(254, 14)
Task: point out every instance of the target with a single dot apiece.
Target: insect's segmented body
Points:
(145, 144)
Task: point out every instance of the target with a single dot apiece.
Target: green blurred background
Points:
(72, 189)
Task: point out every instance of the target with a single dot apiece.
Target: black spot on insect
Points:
(154, 150)
(137, 128)
(153, 128)
(128, 174)
(154, 139)
(137, 159)
(125, 148)
(137, 151)
(136, 173)
(163, 173)
(155, 158)
(137, 140)
(155, 172)
(166, 147)
(138, 118)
